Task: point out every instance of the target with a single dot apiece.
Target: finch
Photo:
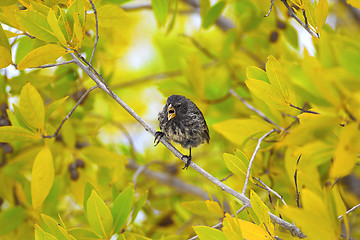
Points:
(182, 122)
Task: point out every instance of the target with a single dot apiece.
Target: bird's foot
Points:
(158, 136)
(188, 161)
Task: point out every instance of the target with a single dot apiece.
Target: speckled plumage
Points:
(188, 127)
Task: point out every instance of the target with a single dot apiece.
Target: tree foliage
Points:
(283, 119)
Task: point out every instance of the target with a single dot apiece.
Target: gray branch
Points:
(246, 202)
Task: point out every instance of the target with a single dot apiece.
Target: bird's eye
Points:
(171, 111)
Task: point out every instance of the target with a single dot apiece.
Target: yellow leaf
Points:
(267, 93)
(110, 16)
(3, 39)
(78, 34)
(54, 25)
(32, 107)
(36, 24)
(239, 130)
(346, 151)
(208, 233)
(42, 55)
(340, 206)
(278, 78)
(99, 215)
(321, 12)
(16, 134)
(354, 3)
(313, 218)
(214, 207)
(261, 211)
(248, 229)
(5, 57)
(42, 177)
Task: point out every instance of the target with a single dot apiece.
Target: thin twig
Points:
(253, 157)
(349, 211)
(97, 31)
(293, 15)
(271, 190)
(272, 4)
(54, 65)
(70, 113)
(249, 106)
(296, 184)
(303, 110)
(224, 179)
(246, 202)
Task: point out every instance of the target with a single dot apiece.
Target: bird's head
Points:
(176, 106)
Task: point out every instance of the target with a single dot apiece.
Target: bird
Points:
(182, 122)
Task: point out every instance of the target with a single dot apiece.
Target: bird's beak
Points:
(171, 112)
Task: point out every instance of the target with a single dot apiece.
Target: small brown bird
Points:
(182, 122)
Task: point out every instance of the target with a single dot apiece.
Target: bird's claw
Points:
(188, 161)
(158, 136)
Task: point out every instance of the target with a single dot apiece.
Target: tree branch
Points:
(253, 157)
(246, 202)
(349, 211)
(271, 190)
(293, 15)
(54, 65)
(97, 31)
(70, 113)
(271, 6)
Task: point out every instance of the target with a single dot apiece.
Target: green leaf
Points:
(77, 7)
(235, 165)
(83, 234)
(87, 192)
(10, 219)
(54, 228)
(42, 177)
(253, 72)
(138, 206)
(122, 207)
(99, 215)
(213, 14)
(208, 233)
(17, 134)
(42, 235)
(261, 211)
(42, 55)
(36, 24)
(160, 9)
(32, 107)
(204, 7)
(55, 27)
